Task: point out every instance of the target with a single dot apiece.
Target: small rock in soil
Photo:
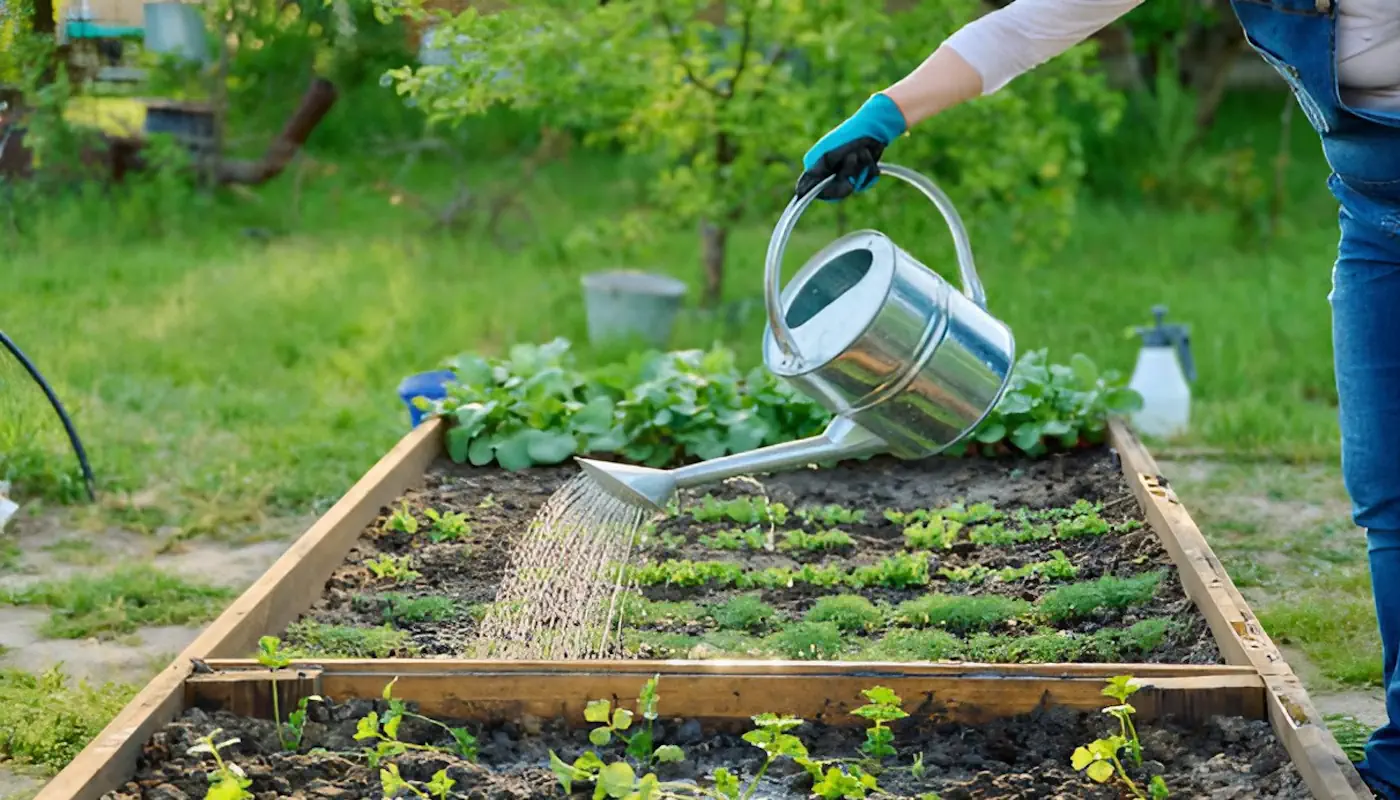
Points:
(689, 732)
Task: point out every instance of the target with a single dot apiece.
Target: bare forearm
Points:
(944, 80)
(992, 50)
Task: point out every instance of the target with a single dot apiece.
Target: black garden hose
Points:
(58, 407)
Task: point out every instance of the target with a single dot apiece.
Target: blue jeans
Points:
(1366, 346)
(1362, 147)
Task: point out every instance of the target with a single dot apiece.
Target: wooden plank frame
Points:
(730, 691)
(1255, 681)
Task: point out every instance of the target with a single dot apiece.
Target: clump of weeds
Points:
(961, 614)
(744, 612)
(311, 639)
(129, 597)
(849, 612)
(398, 608)
(807, 640)
(1082, 600)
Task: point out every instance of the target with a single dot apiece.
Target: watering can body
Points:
(876, 337)
(907, 364)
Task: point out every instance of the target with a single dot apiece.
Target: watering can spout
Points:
(654, 488)
(633, 485)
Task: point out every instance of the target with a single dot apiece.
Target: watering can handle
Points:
(772, 268)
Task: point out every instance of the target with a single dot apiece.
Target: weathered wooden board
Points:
(1258, 680)
(1241, 638)
(736, 690)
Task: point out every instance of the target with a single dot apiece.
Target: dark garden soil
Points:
(435, 612)
(1025, 758)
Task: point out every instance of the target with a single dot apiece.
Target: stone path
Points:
(52, 550)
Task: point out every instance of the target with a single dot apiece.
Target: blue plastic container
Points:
(432, 385)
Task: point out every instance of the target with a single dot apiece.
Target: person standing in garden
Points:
(1341, 58)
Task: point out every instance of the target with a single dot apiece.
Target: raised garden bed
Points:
(464, 730)
(1004, 561)
(1215, 635)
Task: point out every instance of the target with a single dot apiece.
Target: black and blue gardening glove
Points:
(852, 150)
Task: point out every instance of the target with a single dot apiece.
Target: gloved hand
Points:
(852, 150)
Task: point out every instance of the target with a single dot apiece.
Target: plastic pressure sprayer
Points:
(1163, 376)
(907, 365)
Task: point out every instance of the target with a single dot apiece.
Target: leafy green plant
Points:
(899, 571)
(535, 406)
(755, 510)
(395, 784)
(884, 707)
(820, 542)
(270, 655)
(1053, 404)
(228, 781)
(619, 779)
(998, 535)
(1057, 567)
(398, 569)
(1099, 759)
(750, 538)
(402, 519)
(384, 731)
(830, 515)
(448, 526)
(936, 533)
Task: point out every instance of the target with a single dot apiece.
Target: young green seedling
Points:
(448, 526)
(402, 519)
(884, 706)
(270, 655)
(1099, 759)
(772, 737)
(830, 515)
(228, 781)
(398, 569)
(618, 779)
(385, 732)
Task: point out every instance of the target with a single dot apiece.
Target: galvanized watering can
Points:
(908, 365)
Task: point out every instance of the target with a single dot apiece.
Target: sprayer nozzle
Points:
(637, 486)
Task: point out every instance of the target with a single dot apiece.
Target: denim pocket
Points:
(1289, 73)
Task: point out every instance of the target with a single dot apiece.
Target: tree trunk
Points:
(1215, 77)
(43, 22)
(713, 239)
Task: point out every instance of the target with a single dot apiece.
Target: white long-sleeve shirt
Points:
(1009, 41)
